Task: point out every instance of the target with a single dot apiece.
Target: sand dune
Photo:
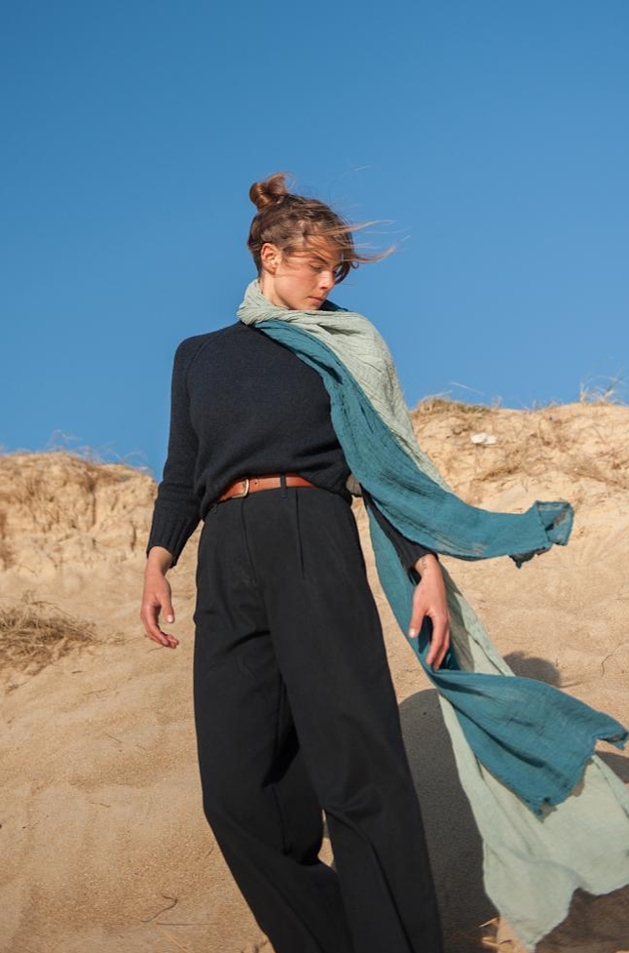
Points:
(104, 846)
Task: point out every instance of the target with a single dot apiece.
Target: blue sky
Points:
(490, 140)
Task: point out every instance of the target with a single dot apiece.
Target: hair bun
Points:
(269, 191)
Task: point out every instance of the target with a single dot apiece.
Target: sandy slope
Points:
(104, 846)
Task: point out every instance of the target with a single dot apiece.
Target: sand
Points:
(104, 844)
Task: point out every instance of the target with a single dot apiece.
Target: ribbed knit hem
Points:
(172, 531)
(408, 551)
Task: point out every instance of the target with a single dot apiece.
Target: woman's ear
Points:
(270, 257)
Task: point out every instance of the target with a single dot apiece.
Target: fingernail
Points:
(170, 618)
(412, 633)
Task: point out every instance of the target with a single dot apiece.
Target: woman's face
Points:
(301, 280)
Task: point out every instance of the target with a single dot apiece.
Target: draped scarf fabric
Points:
(521, 746)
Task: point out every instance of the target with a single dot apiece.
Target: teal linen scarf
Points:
(533, 738)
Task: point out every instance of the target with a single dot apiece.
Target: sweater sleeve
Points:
(176, 512)
(408, 551)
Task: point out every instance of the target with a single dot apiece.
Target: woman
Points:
(294, 706)
(295, 710)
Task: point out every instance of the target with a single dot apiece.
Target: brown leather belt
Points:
(244, 487)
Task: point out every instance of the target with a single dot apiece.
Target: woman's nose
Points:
(326, 279)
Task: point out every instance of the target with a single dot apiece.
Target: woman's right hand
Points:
(157, 597)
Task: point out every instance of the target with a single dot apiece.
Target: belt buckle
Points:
(246, 490)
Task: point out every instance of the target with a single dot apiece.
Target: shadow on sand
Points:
(453, 839)
(594, 925)
(530, 666)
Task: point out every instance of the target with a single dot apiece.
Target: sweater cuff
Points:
(409, 552)
(171, 531)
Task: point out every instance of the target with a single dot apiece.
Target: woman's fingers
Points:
(157, 598)
(430, 599)
(439, 642)
(431, 602)
(417, 618)
(167, 607)
(153, 631)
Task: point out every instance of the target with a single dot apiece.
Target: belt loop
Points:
(283, 485)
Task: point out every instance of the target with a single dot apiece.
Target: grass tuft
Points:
(436, 405)
(609, 390)
(36, 634)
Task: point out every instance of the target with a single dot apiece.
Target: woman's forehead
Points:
(321, 247)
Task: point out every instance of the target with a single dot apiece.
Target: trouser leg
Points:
(328, 643)
(257, 794)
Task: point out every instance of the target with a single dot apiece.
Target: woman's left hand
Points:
(429, 599)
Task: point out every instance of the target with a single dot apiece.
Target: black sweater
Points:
(244, 405)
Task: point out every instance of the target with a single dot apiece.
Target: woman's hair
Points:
(289, 221)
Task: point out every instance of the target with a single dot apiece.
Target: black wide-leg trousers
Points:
(296, 713)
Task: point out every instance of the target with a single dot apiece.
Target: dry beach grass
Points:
(34, 634)
(104, 845)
